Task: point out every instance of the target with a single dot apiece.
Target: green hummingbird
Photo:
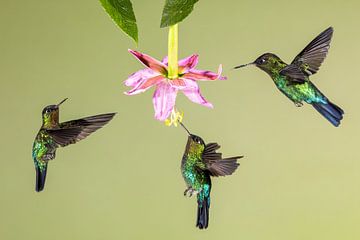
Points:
(53, 134)
(293, 79)
(200, 162)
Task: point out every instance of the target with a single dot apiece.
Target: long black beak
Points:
(62, 102)
(244, 65)
(185, 128)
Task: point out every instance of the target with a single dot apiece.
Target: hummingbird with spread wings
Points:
(200, 162)
(293, 79)
(53, 134)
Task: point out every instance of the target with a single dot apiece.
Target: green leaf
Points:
(175, 11)
(122, 13)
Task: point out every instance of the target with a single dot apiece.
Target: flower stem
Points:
(173, 52)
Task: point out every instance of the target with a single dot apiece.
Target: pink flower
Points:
(156, 74)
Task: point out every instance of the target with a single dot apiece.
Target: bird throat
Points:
(194, 149)
(51, 120)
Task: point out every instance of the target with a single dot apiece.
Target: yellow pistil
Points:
(173, 69)
(175, 118)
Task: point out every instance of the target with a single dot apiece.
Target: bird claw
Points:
(186, 191)
(189, 192)
(298, 104)
(48, 156)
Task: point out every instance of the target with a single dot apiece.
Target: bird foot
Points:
(48, 156)
(189, 192)
(298, 104)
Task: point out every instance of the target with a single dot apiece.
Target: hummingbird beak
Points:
(62, 102)
(185, 128)
(244, 65)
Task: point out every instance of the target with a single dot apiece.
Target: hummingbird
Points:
(293, 79)
(200, 162)
(53, 134)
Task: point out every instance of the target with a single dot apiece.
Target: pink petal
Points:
(145, 85)
(185, 64)
(150, 62)
(178, 83)
(182, 83)
(193, 93)
(188, 63)
(164, 100)
(139, 76)
(165, 60)
(195, 74)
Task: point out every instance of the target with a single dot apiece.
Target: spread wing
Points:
(65, 136)
(215, 164)
(309, 60)
(73, 131)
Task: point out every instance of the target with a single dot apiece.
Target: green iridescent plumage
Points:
(201, 161)
(53, 134)
(192, 162)
(296, 92)
(293, 79)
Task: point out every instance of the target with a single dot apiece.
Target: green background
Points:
(300, 175)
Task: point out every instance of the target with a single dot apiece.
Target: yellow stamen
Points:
(175, 118)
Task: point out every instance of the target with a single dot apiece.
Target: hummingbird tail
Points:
(40, 178)
(330, 111)
(203, 212)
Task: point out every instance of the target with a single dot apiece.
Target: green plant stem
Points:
(173, 52)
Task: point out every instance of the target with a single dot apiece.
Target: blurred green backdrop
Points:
(299, 179)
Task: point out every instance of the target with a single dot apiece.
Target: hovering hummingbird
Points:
(293, 80)
(200, 162)
(53, 134)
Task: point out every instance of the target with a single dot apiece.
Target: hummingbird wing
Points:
(64, 136)
(73, 131)
(294, 73)
(310, 59)
(215, 164)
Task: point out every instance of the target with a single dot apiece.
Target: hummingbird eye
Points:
(197, 139)
(261, 60)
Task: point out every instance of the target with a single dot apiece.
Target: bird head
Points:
(50, 115)
(195, 144)
(267, 62)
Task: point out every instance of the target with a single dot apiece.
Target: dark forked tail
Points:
(330, 111)
(203, 212)
(40, 178)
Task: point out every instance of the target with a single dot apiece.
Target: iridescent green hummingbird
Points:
(200, 162)
(293, 80)
(53, 134)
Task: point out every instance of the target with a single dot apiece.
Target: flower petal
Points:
(195, 74)
(193, 93)
(178, 83)
(145, 85)
(182, 83)
(164, 100)
(165, 60)
(188, 63)
(150, 62)
(140, 76)
(185, 64)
